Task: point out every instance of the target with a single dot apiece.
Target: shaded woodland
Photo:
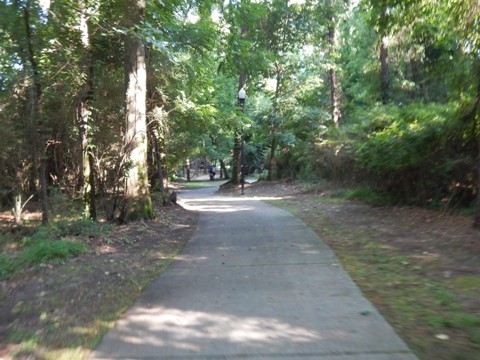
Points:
(105, 102)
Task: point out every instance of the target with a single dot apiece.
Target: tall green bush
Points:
(419, 152)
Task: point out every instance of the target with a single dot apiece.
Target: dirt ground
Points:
(419, 267)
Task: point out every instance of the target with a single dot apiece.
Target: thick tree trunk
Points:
(335, 98)
(37, 117)
(138, 204)
(223, 169)
(157, 135)
(87, 174)
(384, 83)
(237, 158)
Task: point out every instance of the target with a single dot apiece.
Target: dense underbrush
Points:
(417, 154)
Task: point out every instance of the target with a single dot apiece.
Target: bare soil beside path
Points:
(61, 311)
(419, 267)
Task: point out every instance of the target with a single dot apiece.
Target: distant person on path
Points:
(211, 171)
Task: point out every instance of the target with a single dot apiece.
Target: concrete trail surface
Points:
(254, 282)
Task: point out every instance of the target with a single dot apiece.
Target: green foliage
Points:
(405, 137)
(415, 148)
(411, 151)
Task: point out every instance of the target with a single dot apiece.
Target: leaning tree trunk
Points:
(137, 204)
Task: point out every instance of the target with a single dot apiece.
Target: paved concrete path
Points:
(253, 283)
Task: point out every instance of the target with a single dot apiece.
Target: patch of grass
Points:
(49, 244)
(284, 204)
(24, 336)
(341, 193)
(371, 196)
(326, 200)
(81, 227)
(51, 252)
(40, 252)
(466, 283)
(200, 184)
(468, 212)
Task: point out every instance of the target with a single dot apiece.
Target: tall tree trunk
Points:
(476, 222)
(157, 129)
(37, 116)
(138, 204)
(273, 126)
(87, 173)
(472, 116)
(270, 164)
(237, 158)
(237, 145)
(384, 83)
(332, 73)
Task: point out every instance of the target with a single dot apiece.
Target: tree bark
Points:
(223, 169)
(237, 157)
(332, 73)
(472, 116)
(273, 126)
(237, 145)
(476, 222)
(87, 173)
(270, 165)
(138, 204)
(384, 83)
(37, 116)
(157, 130)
